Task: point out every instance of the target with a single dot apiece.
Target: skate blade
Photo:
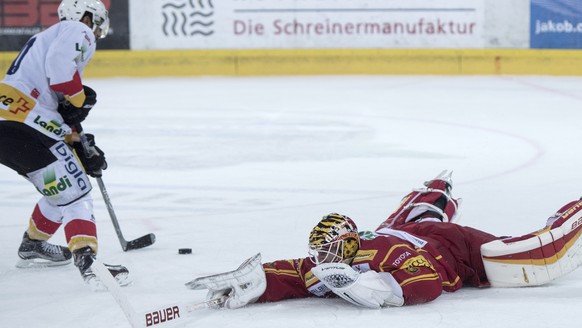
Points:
(39, 263)
(123, 279)
(96, 285)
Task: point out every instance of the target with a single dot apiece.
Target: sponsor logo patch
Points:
(52, 126)
(52, 187)
(414, 264)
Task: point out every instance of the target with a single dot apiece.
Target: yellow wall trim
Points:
(112, 63)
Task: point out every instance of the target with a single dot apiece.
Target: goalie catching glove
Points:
(74, 115)
(369, 289)
(237, 288)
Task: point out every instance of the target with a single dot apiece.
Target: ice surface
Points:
(233, 166)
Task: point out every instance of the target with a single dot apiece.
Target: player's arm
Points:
(414, 273)
(419, 284)
(287, 279)
(66, 57)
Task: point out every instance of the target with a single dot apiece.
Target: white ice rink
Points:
(233, 166)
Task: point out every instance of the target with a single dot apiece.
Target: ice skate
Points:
(446, 177)
(40, 253)
(85, 257)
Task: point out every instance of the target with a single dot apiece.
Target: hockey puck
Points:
(185, 251)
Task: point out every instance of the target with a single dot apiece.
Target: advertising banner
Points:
(556, 24)
(259, 24)
(20, 19)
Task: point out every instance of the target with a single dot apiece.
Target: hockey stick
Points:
(160, 316)
(175, 312)
(113, 287)
(138, 243)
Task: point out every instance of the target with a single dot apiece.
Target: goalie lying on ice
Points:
(413, 256)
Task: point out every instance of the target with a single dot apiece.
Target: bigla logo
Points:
(51, 186)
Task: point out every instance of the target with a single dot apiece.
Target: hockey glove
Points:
(73, 115)
(93, 163)
(237, 288)
(369, 289)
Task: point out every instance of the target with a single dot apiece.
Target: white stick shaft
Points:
(161, 316)
(115, 290)
(170, 314)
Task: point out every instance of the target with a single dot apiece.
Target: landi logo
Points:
(188, 18)
(52, 126)
(52, 187)
(19, 17)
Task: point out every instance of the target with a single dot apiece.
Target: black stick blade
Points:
(141, 242)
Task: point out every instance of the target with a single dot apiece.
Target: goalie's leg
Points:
(538, 258)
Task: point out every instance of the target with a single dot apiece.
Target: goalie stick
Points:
(176, 312)
(161, 316)
(138, 243)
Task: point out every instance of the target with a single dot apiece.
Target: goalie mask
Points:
(334, 239)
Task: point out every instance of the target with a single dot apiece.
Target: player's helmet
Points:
(75, 10)
(334, 239)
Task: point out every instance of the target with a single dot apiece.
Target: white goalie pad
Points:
(238, 287)
(537, 260)
(369, 289)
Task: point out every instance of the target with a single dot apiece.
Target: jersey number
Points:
(16, 63)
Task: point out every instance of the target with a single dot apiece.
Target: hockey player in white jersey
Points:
(42, 99)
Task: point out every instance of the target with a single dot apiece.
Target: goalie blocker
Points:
(538, 258)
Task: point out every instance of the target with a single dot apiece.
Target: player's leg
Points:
(34, 249)
(433, 203)
(25, 150)
(66, 187)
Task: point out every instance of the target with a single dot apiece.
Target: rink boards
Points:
(110, 63)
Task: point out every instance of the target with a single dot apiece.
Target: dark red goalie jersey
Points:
(425, 259)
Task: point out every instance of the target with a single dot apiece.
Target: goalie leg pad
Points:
(539, 258)
(433, 201)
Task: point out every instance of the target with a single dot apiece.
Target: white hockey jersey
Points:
(47, 70)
